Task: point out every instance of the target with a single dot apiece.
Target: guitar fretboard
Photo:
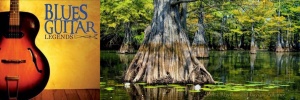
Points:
(14, 18)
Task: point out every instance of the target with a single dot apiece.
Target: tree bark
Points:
(183, 15)
(199, 45)
(278, 44)
(127, 46)
(147, 31)
(253, 44)
(287, 44)
(165, 55)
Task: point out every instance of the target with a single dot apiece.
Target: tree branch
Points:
(181, 1)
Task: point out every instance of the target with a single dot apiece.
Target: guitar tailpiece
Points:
(12, 78)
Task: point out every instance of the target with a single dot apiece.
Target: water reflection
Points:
(252, 60)
(265, 75)
(138, 92)
(125, 59)
(279, 62)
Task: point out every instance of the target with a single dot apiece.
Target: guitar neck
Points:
(14, 18)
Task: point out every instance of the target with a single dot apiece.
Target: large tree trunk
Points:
(127, 46)
(165, 55)
(252, 44)
(199, 45)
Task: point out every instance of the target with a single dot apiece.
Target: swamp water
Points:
(238, 75)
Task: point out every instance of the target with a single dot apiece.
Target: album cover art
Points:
(49, 47)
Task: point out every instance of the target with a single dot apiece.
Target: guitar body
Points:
(24, 70)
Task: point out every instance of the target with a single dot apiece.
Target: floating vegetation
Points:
(254, 82)
(230, 84)
(251, 89)
(271, 87)
(161, 86)
(238, 84)
(180, 87)
(209, 85)
(250, 85)
(119, 85)
(195, 91)
(109, 88)
(141, 83)
(149, 86)
(218, 82)
(234, 90)
(272, 84)
(262, 90)
(291, 82)
(102, 83)
(180, 90)
(284, 85)
(218, 86)
(173, 85)
(221, 86)
(208, 89)
(220, 89)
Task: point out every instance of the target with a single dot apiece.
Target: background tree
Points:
(227, 22)
(251, 15)
(295, 23)
(199, 45)
(122, 19)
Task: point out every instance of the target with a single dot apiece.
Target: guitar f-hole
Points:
(34, 60)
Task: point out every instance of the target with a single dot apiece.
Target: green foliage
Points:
(115, 13)
(119, 11)
(295, 9)
(139, 38)
(269, 17)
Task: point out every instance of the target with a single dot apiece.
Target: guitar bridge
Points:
(13, 61)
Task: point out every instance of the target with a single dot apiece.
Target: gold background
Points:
(74, 63)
